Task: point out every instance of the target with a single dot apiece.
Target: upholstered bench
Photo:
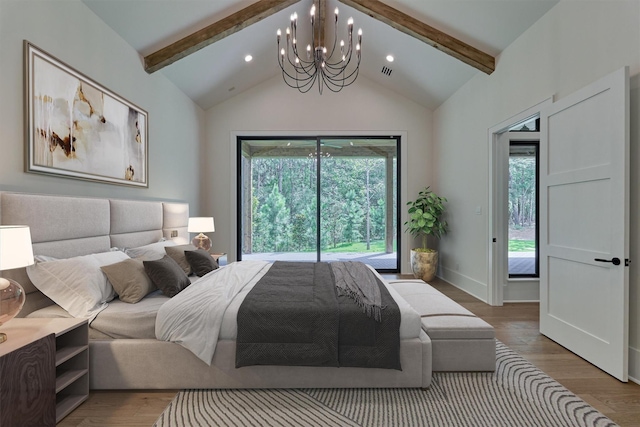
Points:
(461, 341)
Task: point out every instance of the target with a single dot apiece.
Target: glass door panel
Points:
(358, 209)
(278, 187)
(523, 210)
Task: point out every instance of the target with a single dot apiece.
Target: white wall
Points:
(71, 32)
(574, 44)
(274, 108)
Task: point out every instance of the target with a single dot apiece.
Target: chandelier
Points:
(334, 72)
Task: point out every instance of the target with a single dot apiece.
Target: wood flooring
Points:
(516, 325)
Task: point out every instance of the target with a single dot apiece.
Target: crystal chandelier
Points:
(302, 71)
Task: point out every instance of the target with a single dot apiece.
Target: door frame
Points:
(403, 165)
(496, 250)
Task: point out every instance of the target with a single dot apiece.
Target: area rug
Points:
(517, 394)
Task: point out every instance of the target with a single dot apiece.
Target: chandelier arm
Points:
(288, 78)
(308, 70)
(338, 65)
(286, 73)
(343, 84)
(334, 79)
(355, 71)
(334, 72)
(302, 61)
(296, 78)
(306, 86)
(347, 55)
(347, 59)
(303, 67)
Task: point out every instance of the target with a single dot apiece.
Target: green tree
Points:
(274, 216)
(522, 191)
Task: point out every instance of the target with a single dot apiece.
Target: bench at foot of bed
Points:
(460, 341)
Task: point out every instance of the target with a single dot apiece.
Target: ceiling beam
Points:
(319, 30)
(213, 33)
(426, 33)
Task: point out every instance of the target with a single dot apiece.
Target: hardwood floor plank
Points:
(516, 326)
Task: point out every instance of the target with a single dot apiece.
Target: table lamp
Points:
(15, 252)
(201, 225)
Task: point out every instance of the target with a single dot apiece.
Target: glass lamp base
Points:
(12, 298)
(202, 241)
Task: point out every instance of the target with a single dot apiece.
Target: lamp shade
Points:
(15, 252)
(201, 225)
(15, 247)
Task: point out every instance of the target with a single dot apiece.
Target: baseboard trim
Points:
(634, 365)
(521, 290)
(464, 283)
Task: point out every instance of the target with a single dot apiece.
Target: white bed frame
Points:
(65, 227)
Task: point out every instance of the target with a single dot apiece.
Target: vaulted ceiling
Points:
(419, 72)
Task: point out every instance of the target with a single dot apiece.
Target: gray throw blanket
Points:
(295, 316)
(358, 282)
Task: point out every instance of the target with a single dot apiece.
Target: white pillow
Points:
(151, 252)
(76, 284)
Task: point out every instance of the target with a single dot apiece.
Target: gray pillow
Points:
(150, 252)
(129, 280)
(167, 275)
(177, 254)
(201, 262)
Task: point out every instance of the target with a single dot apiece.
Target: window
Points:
(319, 199)
(523, 209)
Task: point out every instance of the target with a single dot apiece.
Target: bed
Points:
(66, 227)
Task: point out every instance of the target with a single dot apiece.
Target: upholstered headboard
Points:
(65, 227)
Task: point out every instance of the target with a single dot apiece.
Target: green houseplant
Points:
(425, 219)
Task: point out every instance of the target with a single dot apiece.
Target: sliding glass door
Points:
(320, 198)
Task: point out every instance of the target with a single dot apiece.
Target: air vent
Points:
(386, 71)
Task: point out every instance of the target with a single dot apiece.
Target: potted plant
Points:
(425, 219)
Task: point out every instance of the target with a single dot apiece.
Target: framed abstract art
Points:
(77, 128)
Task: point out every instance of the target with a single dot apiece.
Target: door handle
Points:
(614, 261)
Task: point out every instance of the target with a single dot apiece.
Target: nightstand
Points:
(44, 370)
(220, 258)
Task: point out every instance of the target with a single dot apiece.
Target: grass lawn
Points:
(522, 245)
(359, 247)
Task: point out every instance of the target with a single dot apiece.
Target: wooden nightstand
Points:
(218, 255)
(220, 258)
(44, 370)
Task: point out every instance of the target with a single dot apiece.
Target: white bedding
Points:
(206, 311)
(193, 318)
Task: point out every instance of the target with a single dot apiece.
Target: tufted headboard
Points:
(64, 227)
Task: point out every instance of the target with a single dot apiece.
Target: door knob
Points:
(614, 261)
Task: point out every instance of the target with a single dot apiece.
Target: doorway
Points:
(319, 198)
(514, 268)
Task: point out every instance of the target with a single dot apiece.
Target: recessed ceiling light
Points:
(248, 58)
(390, 58)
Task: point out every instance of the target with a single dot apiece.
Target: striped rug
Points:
(517, 394)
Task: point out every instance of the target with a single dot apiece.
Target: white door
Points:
(584, 205)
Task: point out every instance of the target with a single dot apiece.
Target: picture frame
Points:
(77, 128)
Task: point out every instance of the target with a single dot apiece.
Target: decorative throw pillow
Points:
(177, 254)
(152, 251)
(201, 262)
(167, 275)
(129, 280)
(76, 284)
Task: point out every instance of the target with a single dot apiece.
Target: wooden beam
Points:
(214, 32)
(319, 30)
(423, 32)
